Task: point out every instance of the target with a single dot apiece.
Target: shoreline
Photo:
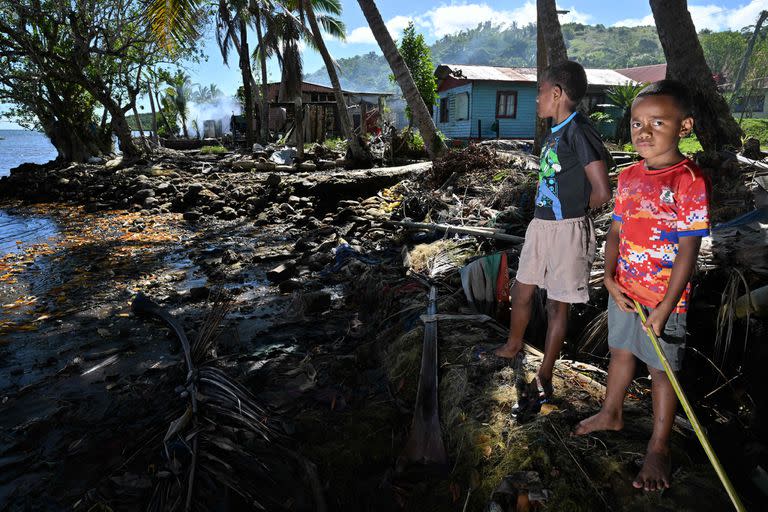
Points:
(334, 354)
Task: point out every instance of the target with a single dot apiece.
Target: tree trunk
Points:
(264, 87)
(434, 145)
(714, 124)
(184, 125)
(120, 127)
(298, 127)
(155, 137)
(245, 68)
(550, 49)
(359, 155)
(141, 129)
(747, 54)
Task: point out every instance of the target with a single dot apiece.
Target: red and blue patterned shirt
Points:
(656, 207)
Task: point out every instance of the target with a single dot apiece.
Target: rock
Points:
(287, 208)
(228, 213)
(63, 182)
(294, 200)
(95, 160)
(142, 194)
(281, 272)
(273, 180)
(244, 165)
(206, 196)
(199, 293)
(290, 285)
(229, 257)
(114, 164)
(150, 202)
(265, 166)
(307, 166)
(257, 148)
(284, 168)
(316, 302)
(191, 216)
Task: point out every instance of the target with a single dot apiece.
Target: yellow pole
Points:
(691, 415)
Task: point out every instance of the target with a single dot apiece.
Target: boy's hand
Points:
(617, 292)
(658, 318)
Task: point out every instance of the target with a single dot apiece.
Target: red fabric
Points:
(656, 208)
(502, 281)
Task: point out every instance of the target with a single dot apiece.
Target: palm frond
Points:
(333, 26)
(175, 23)
(327, 6)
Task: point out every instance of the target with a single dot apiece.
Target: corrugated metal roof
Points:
(645, 74)
(500, 74)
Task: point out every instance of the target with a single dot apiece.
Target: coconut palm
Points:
(232, 21)
(180, 92)
(333, 26)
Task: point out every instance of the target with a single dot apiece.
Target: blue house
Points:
(477, 101)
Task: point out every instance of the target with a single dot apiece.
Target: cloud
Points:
(710, 16)
(396, 25)
(449, 19)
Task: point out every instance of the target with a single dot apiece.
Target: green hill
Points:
(594, 46)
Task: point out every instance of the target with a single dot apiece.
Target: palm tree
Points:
(232, 30)
(180, 92)
(434, 144)
(715, 126)
(336, 28)
(261, 10)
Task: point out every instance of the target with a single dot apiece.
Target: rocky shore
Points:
(308, 298)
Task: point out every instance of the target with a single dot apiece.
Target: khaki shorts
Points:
(557, 256)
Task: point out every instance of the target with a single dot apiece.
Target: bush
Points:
(757, 128)
(213, 150)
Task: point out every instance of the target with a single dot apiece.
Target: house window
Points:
(444, 110)
(461, 106)
(506, 104)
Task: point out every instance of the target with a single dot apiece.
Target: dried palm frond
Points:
(726, 316)
(223, 439)
(595, 335)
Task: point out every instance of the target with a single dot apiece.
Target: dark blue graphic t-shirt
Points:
(563, 191)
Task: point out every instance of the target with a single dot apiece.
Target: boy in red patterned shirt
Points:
(661, 214)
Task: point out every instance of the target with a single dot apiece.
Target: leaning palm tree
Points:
(334, 27)
(419, 111)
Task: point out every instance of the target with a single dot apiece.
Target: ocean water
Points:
(20, 146)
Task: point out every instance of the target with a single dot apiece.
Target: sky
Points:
(437, 18)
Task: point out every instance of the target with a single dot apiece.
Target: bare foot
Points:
(654, 475)
(508, 350)
(600, 421)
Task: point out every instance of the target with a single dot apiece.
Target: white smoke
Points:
(220, 109)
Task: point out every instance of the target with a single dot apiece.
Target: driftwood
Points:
(425, 442)
(497, 234)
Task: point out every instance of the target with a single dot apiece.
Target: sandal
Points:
(534, 394)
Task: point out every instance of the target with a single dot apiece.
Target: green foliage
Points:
(213, 150)
(418, 58)
(337, 144)
(599, 117)
(757, 128)
(623, 95)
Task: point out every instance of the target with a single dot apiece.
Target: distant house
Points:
(480, 102)
(321, 112)
(645, 74)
